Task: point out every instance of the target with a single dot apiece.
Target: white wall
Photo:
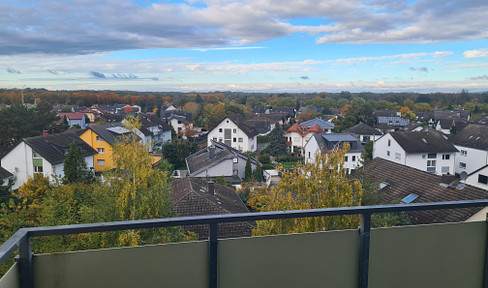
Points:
(17, 163)
(222, 169)
(382, 150)
(247, 144)
(474, 159)
(473, 179)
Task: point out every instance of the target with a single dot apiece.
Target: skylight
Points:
(383, 185)
(409, 198)
(423, 139)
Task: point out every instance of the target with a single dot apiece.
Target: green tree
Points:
(277, 143)
(75, 169)
(248, 169)
(367, 154)
(259, 173)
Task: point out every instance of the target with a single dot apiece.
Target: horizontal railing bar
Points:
(246, 217)
(11, 245)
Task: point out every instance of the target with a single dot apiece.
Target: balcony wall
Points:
(442, 255)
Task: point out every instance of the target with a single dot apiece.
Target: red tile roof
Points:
(304, 130)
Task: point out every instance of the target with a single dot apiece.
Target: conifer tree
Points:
(277, 143)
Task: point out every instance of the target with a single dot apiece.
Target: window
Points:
(179, 122)
(353, 158)
(220, 139)
(99, 139)
(464, 153)
(462, 165)
(446, 156)
(430, 163)
(220, 130)
(235, 160)
(101, 150)
(409, 198)
(398, 156)
(101, 162)
(214, 139)
(388, 153)
(309, 154)
(347, 158)
(234, 140)
(241, 140)
(423, 156)
(482, 179)
(389, 142)
(234, 130)
(432, 155)
(37, 169)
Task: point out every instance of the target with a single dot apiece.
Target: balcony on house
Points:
(437, 255)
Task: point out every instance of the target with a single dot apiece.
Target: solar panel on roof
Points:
(410, 198)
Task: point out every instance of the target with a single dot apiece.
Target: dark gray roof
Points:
(327, 142)
(261, 126)
(423, 142)
(473, 136)
(200, 161)
(363, 129)
(180, 115)
(385, 113)
(241, 122)
(4, 174)
(438, 114)
(403, 180)
(54, 147)
(150, 120)
(447, 123)
(110, 132)
(321, 122)
(191, 198)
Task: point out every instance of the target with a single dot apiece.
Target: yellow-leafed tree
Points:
(322, 184)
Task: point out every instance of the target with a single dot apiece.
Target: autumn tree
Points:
(405, 112)
(322, 184)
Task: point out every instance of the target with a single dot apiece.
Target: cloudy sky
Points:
(245, 45)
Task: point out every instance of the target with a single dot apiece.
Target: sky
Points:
(245, 45)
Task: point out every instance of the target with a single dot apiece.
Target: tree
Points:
(367, 154)
(259, 173)
(75, 169)
(321, 184)
(248, 169)
(405, 112)
(277, 143)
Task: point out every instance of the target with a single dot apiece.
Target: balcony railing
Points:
(21, 240)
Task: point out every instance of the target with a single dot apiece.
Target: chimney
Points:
(211, 187)
(211, 151)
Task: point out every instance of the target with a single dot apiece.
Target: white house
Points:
(74, 119)
(325, 125)
(472, 143)
(424, 150)
(154, 132)
(322, 143)
(299, 134)
(235, 132)
(218, 160)
(479, 178)
(364, 132)
(43, 154)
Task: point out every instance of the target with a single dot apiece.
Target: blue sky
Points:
(245, 45)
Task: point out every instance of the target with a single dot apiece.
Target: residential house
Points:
(268, 123)
(297, 136)
(326, 126)
(236, 132)
(477, 178)
(5, 176)
(322, 143)
(198, 197)
(446, 125)
(402, 184)
(364, 132)
(101, 138)
(153, 131)
(390, 120)
(424, 150)
(219, 159)
(178, 119)
(74, 119)
(43, 154)
(472, 143)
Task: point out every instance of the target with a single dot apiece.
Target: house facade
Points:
(45, 155)
(364, 132)
(234, 131)
(297, 136)
(74, 119)
(426, 151)
(322, 143)
(472, 143)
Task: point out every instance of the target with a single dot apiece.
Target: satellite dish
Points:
(463, 176)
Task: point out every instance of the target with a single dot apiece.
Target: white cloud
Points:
(475, 53)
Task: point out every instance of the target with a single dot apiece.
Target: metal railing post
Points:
(25, 262)
(212, 245)
(364, 239)
(485, 271)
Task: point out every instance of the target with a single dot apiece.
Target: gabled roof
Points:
(304, 130)
(201, 160)
(317, 121)
(473, 136)
(180, 115)
(110, 132)
(191, 198)
(386, 113)
(150, 120)
(447, 123)
(72, 116)
(263, 118)
(54, 147)
(4, 174)
(327, 142)
(363, 129)
(423, 142)
(261, 126)
(241, 122)
(403, 180)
